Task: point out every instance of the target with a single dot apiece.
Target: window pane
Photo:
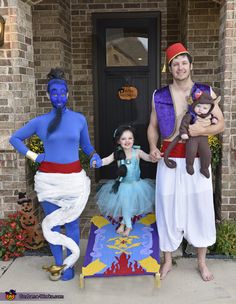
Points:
(126, 47)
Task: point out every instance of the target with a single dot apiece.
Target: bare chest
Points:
(180, 103)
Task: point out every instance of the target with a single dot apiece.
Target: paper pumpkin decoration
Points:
(128, 92)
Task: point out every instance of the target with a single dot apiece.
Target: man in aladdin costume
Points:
(184, 203)
(61, 184)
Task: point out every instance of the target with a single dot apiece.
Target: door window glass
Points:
(126, 47)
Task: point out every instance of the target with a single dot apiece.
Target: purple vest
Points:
(165, 108)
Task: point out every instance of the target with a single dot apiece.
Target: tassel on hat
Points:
(164, 66)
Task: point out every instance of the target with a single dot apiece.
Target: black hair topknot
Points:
(56, 73)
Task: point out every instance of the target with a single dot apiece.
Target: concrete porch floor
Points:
(182, 285)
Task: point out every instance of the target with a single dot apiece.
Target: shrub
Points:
(215, 146)
(225, 238)
(12, 237)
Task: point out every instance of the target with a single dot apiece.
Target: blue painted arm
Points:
(85, 143)
(17, 138)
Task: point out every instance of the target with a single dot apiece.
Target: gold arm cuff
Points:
(31, 155)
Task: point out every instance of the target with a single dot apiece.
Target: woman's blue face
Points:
(58, 94)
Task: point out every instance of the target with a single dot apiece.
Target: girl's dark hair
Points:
(119, 154)
(190, 59)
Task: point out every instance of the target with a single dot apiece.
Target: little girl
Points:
(128, 195)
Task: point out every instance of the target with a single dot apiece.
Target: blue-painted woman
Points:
(61, 184)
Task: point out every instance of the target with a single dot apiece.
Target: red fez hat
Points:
(174, 50)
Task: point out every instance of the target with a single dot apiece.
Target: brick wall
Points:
(17, 98)
(228, 88)
(203, 40)
(52, 45)
(184, 21)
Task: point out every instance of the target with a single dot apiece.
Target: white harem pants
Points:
(70, 192)
(184, 206)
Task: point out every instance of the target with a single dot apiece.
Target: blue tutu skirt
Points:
(138, 196)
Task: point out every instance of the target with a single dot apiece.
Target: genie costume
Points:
(61, 184)
(184, 203)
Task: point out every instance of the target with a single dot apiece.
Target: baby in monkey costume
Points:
(199, 112)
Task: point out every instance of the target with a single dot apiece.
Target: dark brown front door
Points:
(126, 60)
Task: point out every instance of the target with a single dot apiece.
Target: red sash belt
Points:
(49, 167)
(178, 151)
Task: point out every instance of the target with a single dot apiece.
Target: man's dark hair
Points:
(190, 59)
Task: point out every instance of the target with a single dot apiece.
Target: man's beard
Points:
(53, 125)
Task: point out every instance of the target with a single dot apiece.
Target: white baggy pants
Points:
(184, 206)
(70, 192)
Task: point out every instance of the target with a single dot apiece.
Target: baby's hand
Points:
(184, 136)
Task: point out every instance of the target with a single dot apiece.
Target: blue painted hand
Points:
(95, 161)
(40, 158)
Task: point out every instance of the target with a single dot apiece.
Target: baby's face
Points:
(202, 108)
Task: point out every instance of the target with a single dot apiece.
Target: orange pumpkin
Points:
(128, 92)
(35, 239)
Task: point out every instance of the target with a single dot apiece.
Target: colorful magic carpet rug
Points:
(110, 254)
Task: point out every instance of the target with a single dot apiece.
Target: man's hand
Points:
(95, 161)
(155, 155)
(197, 130)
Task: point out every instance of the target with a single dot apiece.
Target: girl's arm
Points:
(106, 160)
(143, 155)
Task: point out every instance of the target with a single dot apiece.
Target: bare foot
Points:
(121, 229)
(127, 231)
(165, 268)
(205, 272)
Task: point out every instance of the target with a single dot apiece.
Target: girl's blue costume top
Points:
(135, 195)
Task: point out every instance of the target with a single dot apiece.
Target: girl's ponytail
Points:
(119, 155)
